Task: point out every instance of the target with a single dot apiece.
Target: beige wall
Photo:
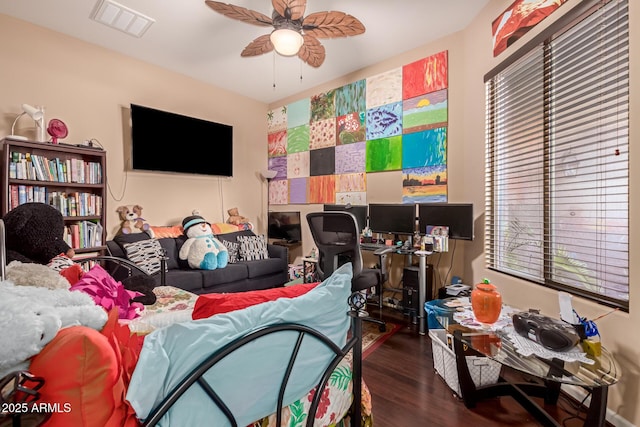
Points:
(87, 87)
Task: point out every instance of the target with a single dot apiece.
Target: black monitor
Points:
(285, 226)
(392, 218)
(359, 211)
(457, 216)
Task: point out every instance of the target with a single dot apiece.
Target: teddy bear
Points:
(35, 234)
(33, 315)
(132, 220)
(235, 218)
(201, 249)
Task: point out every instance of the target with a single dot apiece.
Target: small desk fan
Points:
(57, 129)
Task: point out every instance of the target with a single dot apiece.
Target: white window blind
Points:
(557, 159)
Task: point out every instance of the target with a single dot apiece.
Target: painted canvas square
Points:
(384, 88)
(277, 143)
(350, 98)
(426, 111)
(279, 192)
(323, 106)
(351, 182)
(425, 76)
(298, 139)
(384, 121)
(424, 185)
(322, 189)
(351, 157)
(298, 190)
(518, 19)
(277, 120)
(425, 148)
(299, 113)
(278, 164)
(355, 198)
(322, 134)
(384, 154)
(298, 165)
(322, 161)
(350, 128)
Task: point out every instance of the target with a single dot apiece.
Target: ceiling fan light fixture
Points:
(286, 42)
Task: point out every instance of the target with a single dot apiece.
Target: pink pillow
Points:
(211, 304)
(108, 293)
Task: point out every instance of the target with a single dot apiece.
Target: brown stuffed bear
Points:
(235, 218)
(132, 221)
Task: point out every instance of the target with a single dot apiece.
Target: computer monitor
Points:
(359, 211)
(285, 226)
(457, 216)
(392, 218)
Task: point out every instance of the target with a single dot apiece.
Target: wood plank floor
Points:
(406, 391)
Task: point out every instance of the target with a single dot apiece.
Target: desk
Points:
(422, 280)
(596, 377)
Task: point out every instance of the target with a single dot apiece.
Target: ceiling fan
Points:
(293, 32)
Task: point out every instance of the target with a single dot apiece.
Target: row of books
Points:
(83, 234)
(39, 168)
(68, 203)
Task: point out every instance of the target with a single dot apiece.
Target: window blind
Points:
(557, 159)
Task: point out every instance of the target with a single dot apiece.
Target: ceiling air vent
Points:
(121, 18)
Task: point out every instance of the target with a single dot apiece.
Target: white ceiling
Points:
(190, 38)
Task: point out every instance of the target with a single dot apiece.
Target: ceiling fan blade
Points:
(332, 24)
(290, 9)
(258, 46)
(312, 52)
(240, 13)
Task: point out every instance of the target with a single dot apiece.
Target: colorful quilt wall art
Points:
(324, 147)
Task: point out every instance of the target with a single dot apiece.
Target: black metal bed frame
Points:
(354, 343)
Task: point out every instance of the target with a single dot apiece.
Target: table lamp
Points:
(37, 114)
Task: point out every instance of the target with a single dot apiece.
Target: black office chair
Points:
(337, 238)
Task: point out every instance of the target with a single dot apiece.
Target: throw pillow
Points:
(253, 247)
(234, 250)
(146, 254)
(211, 304)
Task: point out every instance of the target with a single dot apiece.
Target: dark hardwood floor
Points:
(406, 390)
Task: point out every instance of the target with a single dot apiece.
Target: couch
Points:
(237, 276)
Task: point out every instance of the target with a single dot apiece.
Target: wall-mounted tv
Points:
(285, 226)
(169, 142)
(457, 216)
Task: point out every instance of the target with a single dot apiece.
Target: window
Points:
(557, 156)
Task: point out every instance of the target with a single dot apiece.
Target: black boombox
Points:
(550, 333)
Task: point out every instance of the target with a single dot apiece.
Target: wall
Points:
(470, 57)
(90, 88)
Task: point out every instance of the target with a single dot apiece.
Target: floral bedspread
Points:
(333, 409)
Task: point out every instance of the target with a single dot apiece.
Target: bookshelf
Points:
(68, 177)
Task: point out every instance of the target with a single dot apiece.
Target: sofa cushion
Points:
(233, 237)
(169, 246)
(188, 279)
(263, 267)
(231, 273)
(146, 254)
(253, 248)
(122, 239)
(233, 249)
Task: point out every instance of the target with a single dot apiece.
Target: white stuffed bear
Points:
(202, 250)
(32, 316)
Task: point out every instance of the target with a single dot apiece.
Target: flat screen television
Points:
(285, 226)
(169, 142)
(394, 219)
(457, 216)
(359, 211)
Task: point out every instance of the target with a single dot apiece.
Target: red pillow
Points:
(211, 304)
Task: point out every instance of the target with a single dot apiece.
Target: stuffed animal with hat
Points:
(201, 249)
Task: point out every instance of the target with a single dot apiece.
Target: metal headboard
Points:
(3, 254)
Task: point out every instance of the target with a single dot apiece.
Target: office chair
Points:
(337, 238)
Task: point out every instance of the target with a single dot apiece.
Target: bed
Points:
(286, 353)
